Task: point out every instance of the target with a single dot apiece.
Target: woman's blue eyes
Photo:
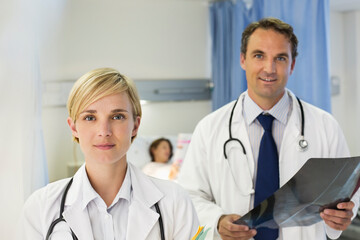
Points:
(89, 118)
(115, 117)
(119, 117)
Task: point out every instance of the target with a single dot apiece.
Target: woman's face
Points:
(105, 129)
(162, 152)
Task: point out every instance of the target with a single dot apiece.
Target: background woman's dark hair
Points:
(156, 143)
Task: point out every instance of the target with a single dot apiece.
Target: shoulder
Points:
(168, 189)
(218, 114)
(38, 209)
(177, 207)
(214, 122)
(47, 194)
(316, 114)
(175, 201)
(313, 115)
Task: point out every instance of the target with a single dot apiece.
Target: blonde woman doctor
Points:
(108, 198)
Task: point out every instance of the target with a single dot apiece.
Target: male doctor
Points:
(223, 189)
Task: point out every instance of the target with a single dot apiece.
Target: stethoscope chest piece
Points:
(303, 144)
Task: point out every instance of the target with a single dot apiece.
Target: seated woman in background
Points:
(161, 151)
(108, 198)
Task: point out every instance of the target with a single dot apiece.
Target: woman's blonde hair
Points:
(97, 84)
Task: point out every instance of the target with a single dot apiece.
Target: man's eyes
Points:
(260, 56)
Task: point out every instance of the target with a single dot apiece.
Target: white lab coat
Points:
(178, 214)
(218, 186)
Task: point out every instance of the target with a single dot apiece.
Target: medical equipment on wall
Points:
(61, 218)
(303, 144)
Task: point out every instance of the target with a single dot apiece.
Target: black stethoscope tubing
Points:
(61, 218)
(230, 135)
(302, 143)
(302, 117)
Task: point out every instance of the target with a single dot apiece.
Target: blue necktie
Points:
(267, 178)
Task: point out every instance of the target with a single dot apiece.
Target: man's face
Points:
(268, 64)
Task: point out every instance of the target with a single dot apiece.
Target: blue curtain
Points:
(310, 19)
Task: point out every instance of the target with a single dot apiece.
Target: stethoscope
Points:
(303, 144)
(61, 218)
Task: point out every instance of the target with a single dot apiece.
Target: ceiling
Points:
(344, 5)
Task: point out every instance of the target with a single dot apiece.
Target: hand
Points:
(230, 231)
(174, 170)
(338, 219)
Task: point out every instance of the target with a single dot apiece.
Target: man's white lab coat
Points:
(220, 186)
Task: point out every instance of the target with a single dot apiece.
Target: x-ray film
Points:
(321, 183)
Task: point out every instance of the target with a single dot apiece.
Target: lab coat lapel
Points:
(293, 127)
(142, 218)
(74, 214)
(78, 220)
(241, 165)
(289, 158)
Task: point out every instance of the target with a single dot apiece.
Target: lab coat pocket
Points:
(61, 232)
(240, 169)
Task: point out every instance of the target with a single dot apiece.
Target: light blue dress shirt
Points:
(281, 111)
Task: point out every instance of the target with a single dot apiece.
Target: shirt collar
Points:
(89, 193)
(251, 109)
(125, 190)
(280, 111)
